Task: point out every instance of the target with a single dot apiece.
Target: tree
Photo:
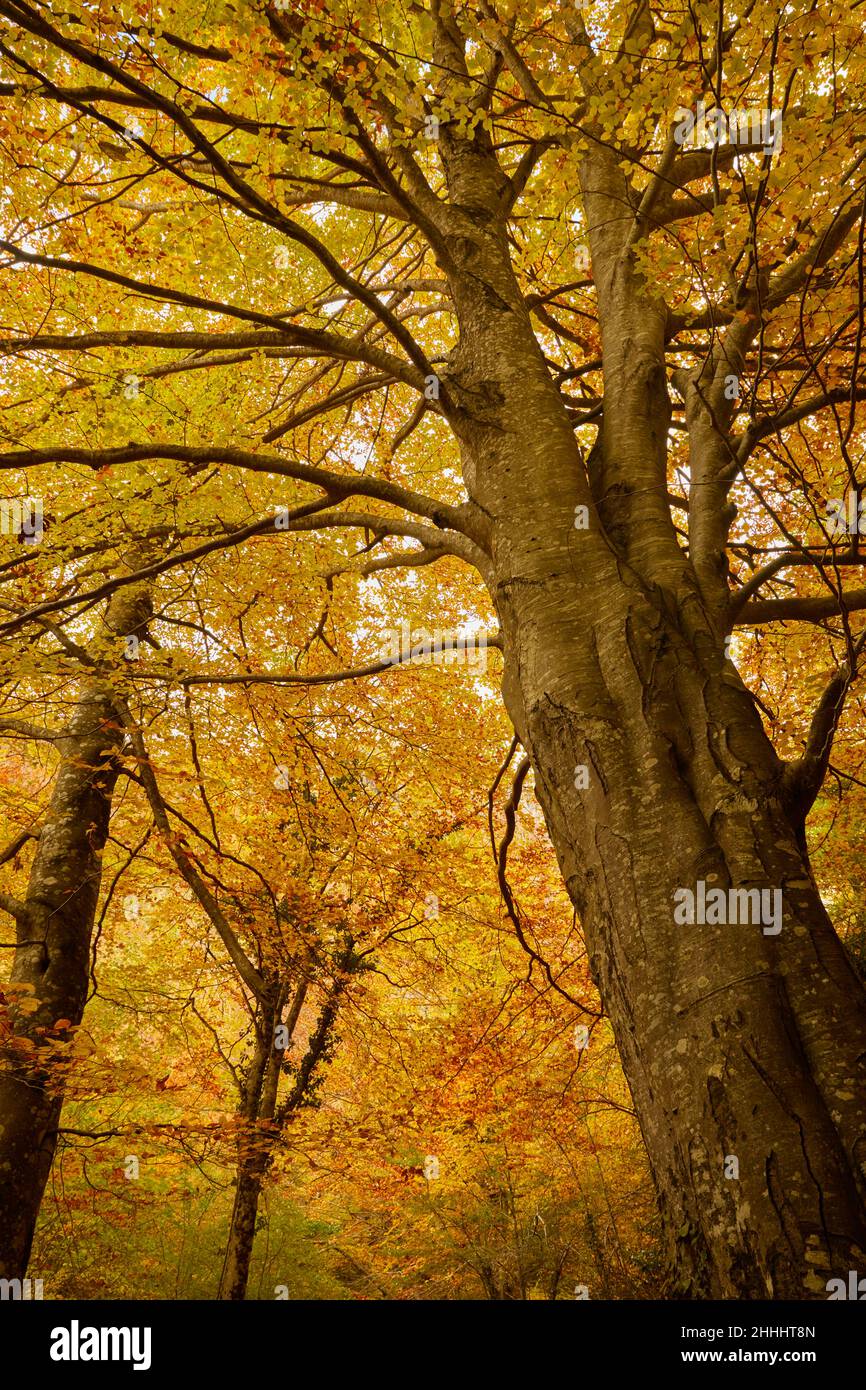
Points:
(276, 985)
(50, 975)
(412, 209)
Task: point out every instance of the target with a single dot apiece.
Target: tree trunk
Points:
(242, 1233)
(255, 1147)
(737, 1045)
(263, 1122)
(51, 965)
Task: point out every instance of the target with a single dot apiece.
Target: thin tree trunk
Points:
(51, 965)
(263, 1122)
(242, 1233)
(255, 1145)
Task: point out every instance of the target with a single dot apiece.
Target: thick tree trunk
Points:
(737, 1045)
(51, 966)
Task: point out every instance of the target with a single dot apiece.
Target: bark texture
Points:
(255, 1147)
(55, 921)
(736, 1044)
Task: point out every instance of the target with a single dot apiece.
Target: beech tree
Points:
(276, 984)
(572, 296)
(50, 974)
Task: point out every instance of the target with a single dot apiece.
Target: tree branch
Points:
(804, 610)
(803, 779)
(251, 977)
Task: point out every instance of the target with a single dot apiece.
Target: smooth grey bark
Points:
(735, 1043)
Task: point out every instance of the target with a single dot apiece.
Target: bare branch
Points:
(803, 610)
(244, 966)
(803, 779)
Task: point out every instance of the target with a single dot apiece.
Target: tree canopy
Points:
(432, 441)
